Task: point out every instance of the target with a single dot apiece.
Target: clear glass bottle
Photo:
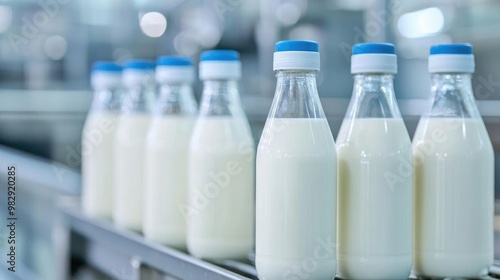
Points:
(167, 146)
(454, 174)
(132, 127)
(97, 140)
(296, 174)
(375, 173)
(221, 205)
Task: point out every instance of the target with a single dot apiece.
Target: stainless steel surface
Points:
(41, 241)
(117, 251)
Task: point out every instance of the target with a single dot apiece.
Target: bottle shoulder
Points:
(452, 136)
(373, 137)
(296, 137)
(219, 134)
(100, 120)
(170, 132)
(132, 128)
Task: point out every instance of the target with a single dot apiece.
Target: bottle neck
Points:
(293, 76)
(220, 98)
(138, 99)
(452, 96)
(106, 99)
(373, 97)
(176, 99)
(296, 95)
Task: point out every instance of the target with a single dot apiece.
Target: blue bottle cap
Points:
(374, 58)
(296, 45)
(220, 55)
(139, 64)
(296, 55)
(174, 69)
(106, 66)
(220, 64)
(464, 48)
(451, 58)
(168, 60)
(365, 48)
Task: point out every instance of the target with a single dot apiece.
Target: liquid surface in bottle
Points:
(129, 170)
(454, 189)
(221, 188)
(297, 192)
(166, 177)
(97, 163)
(375, 189)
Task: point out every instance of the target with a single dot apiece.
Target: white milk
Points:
(454, 192)
(375, 199)
(129, 170)
(97, 163)
(166, 179)
(221, 188)
(296, 200)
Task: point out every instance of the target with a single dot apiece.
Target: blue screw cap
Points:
(169, 60)
(140, 64)
(465, 48)
(220, 55)
(365, 48)
(296, 45)
(106, 66)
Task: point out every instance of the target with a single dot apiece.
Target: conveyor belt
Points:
(120, 253)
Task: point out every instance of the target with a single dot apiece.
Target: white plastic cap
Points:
(451, 58)
(374, 58)
(106, 74)
(174, 69)
(220, 64)
(296, 55)
(138, 72)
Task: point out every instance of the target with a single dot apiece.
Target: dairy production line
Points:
(59, 241)
(45, 100)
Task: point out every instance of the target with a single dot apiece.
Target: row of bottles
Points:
(156, 152)
(371, 206)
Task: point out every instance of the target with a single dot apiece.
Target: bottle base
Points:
(213, 249)
(375, 267)
(128, 224)
(438, 265)
(270, 268)
(97, 213)
(171, 239)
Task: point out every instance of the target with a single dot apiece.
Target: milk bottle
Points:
(133, 124)
(296, 174)
(220, 208)
(167, 148)
(454, 173)
(375, 173)
(97, 140)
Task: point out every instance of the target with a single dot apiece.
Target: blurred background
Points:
(47, 48)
